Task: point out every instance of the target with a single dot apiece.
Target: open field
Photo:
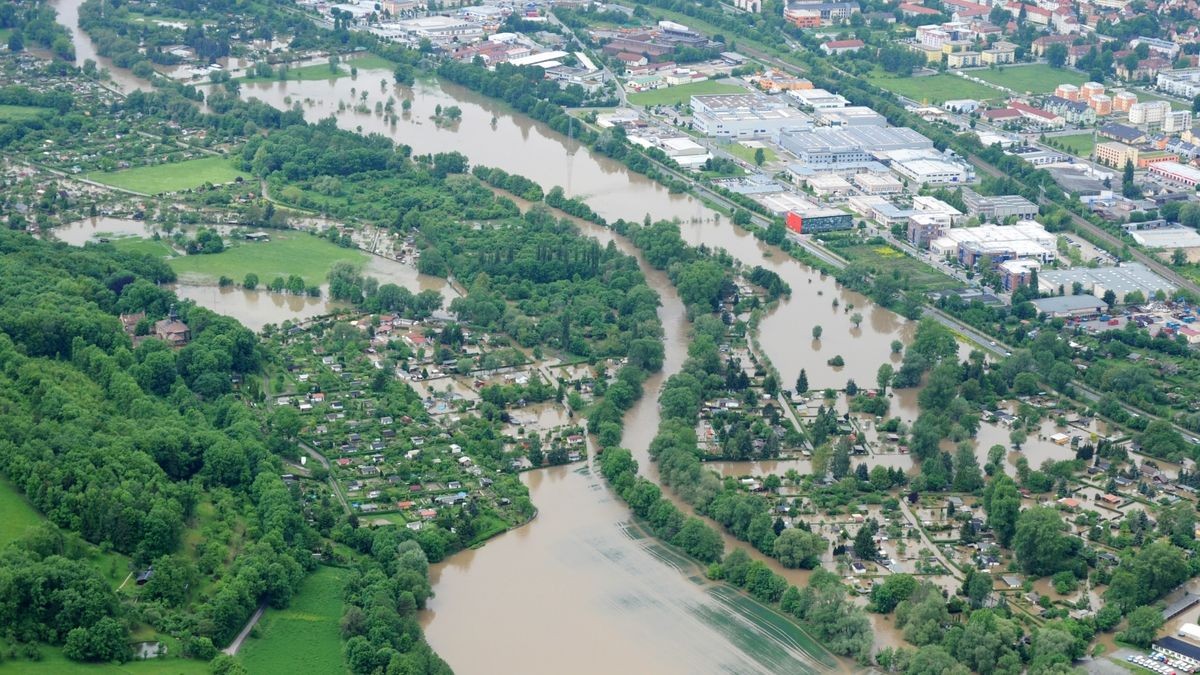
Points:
(1038, 78)
(17, 113)
(155, 248)
(305, 637)
(884, 260)
(321, 71)
(54, 663)
(684, 92)
(1080, 145)
(935, 88)
(285, 254)
(170, 177)
(746, 153)
(19, 515)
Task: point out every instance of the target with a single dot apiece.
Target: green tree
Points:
(864, 540)
(760, 156)
(799, 548)
(250, 282)
(895, 589)
(1040, 544)
(883, 377)
(967, 475)
(1002, 503)
(816, 332)
(802, 382)
(1142, 626)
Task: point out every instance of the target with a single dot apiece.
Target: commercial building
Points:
(1017, 273)
(1167, 237)
(439, 28)
(880, 210)
(1183, 653)
(836, 147)
(1122, 279)
(743, 115)
(782, 203)
(828, 185)
(819, 220)
(998, 207)
(1067, 306)
(1025, 240)
(1184, 82)
(1174, 172)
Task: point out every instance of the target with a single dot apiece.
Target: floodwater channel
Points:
(579, 589)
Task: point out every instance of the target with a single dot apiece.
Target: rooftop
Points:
(1068, 303)
(1126, 278)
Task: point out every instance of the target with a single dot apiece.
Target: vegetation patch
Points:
(171, 177)
(683, 93)
(18, 113)
(19, 515)
(287, 253)
(746, 153)
(1080, 145)
(305, 636)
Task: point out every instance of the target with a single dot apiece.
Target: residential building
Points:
(753, 6)
(172, 331)
(997, 56)
(1037, 116)
(963, 59)
(1068, 91)
(1122, 133)
(1115, 154)
(1102, 104)
(1149, 112)
(1184, 82)
(1123, 101)
(1074, 112)
(1177, 121)
(1165, 48)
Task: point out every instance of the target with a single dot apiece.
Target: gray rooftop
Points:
(1068, 303)
(1126, 278)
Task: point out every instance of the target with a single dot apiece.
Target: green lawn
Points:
(18, 514)
(683, 93)
(305, 637)
(54, 663)
(287, 253)
(155, 248)
(1080, 145)
(1038, 78)
(934, 88)
(18, 113)
(171, 177)
(746, 153)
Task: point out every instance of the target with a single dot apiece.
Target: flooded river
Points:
(578, 589)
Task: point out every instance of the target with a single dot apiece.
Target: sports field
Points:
(1037, 78)
(171, 177)
(935, 89)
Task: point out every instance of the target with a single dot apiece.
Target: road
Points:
(333, 484)
(234, 646)
(927, 542)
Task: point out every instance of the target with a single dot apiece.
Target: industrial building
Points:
(1167, 237)
(836, 147)
(998, 207)
(877, 184)
(930, 167)
(1122, 280)
(743, 115)
(1174, 172)
(932, 218)
(1069, 305)
(818, 99)
(880, 210)
(851, 116)
(1025, 240)
(818, 220)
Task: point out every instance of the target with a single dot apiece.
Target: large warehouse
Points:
(834, 147)
(1122, 280)
(743, 115)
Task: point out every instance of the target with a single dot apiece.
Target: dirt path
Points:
(234, 646)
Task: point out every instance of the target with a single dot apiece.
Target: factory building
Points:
(743, 115)
(1026, 240)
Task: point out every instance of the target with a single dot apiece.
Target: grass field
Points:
(683, 93)
(287, 253)
(935, 88)
(304, 638)
(1080, 145)
(150, 247)
(170, 177)
(17, 113)
(746, 153)
(18, 516)
(321, 71)
(1038, 78)
(885, 259)
(54, 663)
